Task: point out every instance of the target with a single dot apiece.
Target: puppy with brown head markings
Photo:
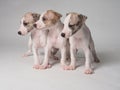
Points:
(51, 20)
(27, 26)
(48, 19)
(27, 23)
(37, 39)
(80, 37)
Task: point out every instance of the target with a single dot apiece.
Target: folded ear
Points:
(58, 14)
(85, 17)
(53, 14)
(82, 17)
(67, 14)
(36, 16)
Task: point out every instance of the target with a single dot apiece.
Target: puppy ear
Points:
(58, 15)
(67, 14)
(85, 17)
(36, 16)
(54, 14)
(82, 17)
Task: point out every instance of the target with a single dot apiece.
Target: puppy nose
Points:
(19, 32)
(35, 25)
(63, 34)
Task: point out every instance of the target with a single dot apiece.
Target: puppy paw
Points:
(96, 60)
(45, 66)
(36, 66)
(88, 71)
(70, 67)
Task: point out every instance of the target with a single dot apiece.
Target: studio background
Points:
(16, 73)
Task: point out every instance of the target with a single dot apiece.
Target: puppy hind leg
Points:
(29, 52)
(92, 48)
(52, 54)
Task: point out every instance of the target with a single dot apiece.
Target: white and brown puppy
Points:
(26, 26)
(37, 39)
(80, 37)
(51, 20)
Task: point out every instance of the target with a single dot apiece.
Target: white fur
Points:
(54, 39)
(22, 28)
(81, 39)
(37, 40)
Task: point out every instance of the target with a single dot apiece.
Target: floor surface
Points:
(16, 73)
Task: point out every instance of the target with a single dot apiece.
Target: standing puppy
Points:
(80, 37)
(38, 38)
(27, 26)
(51, 20)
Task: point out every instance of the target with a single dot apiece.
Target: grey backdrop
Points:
(104, 22)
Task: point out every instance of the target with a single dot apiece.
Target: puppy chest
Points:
(56, 42)
(76, 42)
(39, 42)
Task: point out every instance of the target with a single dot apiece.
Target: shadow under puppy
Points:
(37, 37)
(80, 37)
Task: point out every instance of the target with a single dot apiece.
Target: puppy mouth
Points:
(68, 36)
(43, 27)
(38, 26)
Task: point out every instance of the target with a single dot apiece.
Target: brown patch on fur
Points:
(29, 20)
(36, 16)
(75, 17)
(51, 17)
(67, 14)
(31, 17)
(82, 18)
(28, 17)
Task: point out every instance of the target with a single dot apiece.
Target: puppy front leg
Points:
(73, 59)
(92, 48)
(29, 52)
(89, 57)
(63, 57)
(46, 64)
(36, 58)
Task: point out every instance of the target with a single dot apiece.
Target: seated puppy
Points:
(51, 20)
(37, 39)
(80, 37)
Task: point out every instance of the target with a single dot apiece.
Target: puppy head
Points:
(27, 23)
(48, 19)
(72, 23)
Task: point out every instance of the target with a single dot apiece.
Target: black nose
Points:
(35, 25)
(19, 32)
(63, 34)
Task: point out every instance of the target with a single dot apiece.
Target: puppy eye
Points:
(43, 18)
(71, 25)
(25, 24)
